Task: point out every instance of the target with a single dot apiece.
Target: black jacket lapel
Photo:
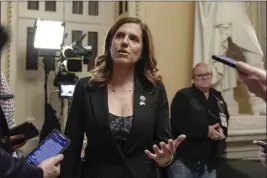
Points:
(99, 105)
(139, 113)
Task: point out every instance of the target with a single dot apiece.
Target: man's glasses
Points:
(203, 76)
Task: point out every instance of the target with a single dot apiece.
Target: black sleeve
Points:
(182, 121)
(74, 130)
(15, 168)
(163, 129)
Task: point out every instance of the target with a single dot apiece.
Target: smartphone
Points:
(27, 129)
(66, 91)
(225, 60)
(54, 144)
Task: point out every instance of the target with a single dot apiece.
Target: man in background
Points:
(201, 114)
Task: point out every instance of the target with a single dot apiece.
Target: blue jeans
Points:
(179, 170)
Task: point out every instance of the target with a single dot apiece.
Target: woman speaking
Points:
(123, 109)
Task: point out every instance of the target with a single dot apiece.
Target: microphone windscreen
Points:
(3, 37)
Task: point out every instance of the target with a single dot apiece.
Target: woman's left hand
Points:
(164, 154)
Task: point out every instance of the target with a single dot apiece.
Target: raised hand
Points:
(164, 154)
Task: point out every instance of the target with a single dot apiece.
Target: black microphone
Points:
(3, 37)
(6, 97)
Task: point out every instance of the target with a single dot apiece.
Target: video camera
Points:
(72, 59)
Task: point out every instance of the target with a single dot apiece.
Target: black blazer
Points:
(9, 166)
(190, 117)
(103, 158)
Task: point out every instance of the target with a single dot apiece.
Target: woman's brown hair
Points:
(145, 67)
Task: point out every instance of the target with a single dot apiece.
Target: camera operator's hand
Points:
(51, 166)
(16, 138)
(254, 78)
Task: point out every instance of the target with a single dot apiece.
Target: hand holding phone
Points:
(229, 62)
(54, 144)
(26, 129)
(51, 166)
(17, 141)
(225, 60)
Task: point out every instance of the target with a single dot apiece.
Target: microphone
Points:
(3, 37)
(6, 97)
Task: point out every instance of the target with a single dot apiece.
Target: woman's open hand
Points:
(164, 154)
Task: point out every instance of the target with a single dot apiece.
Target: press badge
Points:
(223, 120)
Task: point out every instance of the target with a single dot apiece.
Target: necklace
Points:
(123, 89)
(128, 90)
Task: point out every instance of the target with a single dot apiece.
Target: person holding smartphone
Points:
(11, 167)
(9, 112)
(17, 168)
(255, 79)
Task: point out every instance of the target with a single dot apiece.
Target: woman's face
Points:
(126, 46)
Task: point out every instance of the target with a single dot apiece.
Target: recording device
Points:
(54, 144)
(225, 60)
(27, 129)
(66, 91)
(73, 58)
(76, 54)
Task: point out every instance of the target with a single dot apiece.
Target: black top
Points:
(191, 114)
(103, 158)
(120, 128)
